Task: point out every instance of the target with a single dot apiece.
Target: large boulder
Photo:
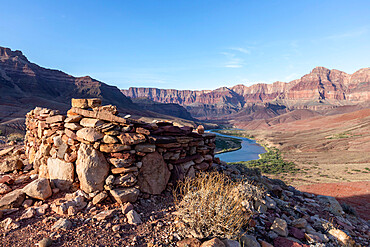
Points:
(39, 189)
(61, 173)
(92, 168)
(154, 174)
(13, 199)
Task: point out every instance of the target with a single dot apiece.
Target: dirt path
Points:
(356, 194)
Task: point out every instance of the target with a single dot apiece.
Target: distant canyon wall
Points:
(320, 88)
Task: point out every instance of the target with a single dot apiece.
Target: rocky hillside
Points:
(163, 108)
(25, 85)
(321, 89)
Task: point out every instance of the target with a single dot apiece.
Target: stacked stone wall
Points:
(95, 150)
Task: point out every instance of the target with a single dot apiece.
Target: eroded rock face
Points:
(92, 168)
(61, 173)
(334, 84)
(38, 189)
(154, 174)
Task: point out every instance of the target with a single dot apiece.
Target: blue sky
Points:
(189, 44)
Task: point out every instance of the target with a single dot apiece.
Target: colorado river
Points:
(249, 151)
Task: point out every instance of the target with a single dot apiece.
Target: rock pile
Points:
(94, 149)
(286, 217)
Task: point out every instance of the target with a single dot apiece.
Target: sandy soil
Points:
(356, 194)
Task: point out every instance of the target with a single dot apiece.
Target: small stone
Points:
(116, 228)
(38, 189)
(145, 148)
(73, 126)
(29, 213)
(62, 224)
(299, 223)
(13, 199)
(297, 233)
(8, 224)
(249, 240)
(106, 214)
(89, 134)
(100, 197)
(27, 203)
(265, 244)
(280, 227)
(231, 243)
(133, 218)
(113, 148)
(332, 204)
(45, 242)
(80, 103)
(6, 151)
(214, 242)
(127, 207)
(124, 170)
(189, 242)
(90, 122)
(284, 242)
(11, 164)
(73, 119)
(342, 237)
(122, 195)
(4, 188)
(200, 129)
(109, 180)
(110, 139)
(94, 102)
(55, 119)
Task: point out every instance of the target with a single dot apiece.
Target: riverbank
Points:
(249, 149)
(227, 144)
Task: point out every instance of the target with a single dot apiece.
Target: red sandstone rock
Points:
(284, 242)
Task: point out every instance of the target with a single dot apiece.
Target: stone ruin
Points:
(100, 153)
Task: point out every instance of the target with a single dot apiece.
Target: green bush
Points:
(270, 162)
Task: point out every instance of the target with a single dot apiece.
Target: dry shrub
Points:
(209, 205)
(16, 137)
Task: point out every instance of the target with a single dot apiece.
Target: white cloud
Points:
(240, 49)
(233, 66)
(232, 60)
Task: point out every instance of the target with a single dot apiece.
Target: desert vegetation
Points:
(212, 205)
(236, 132)
(227, 144)
(270, 162)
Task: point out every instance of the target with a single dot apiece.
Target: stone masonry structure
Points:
(95, 150)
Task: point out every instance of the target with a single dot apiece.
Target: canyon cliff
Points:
(25, 85)
(321, 89)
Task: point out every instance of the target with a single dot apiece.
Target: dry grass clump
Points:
(208, 206)
(15, 137)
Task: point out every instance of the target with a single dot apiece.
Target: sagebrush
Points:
(208, 205)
